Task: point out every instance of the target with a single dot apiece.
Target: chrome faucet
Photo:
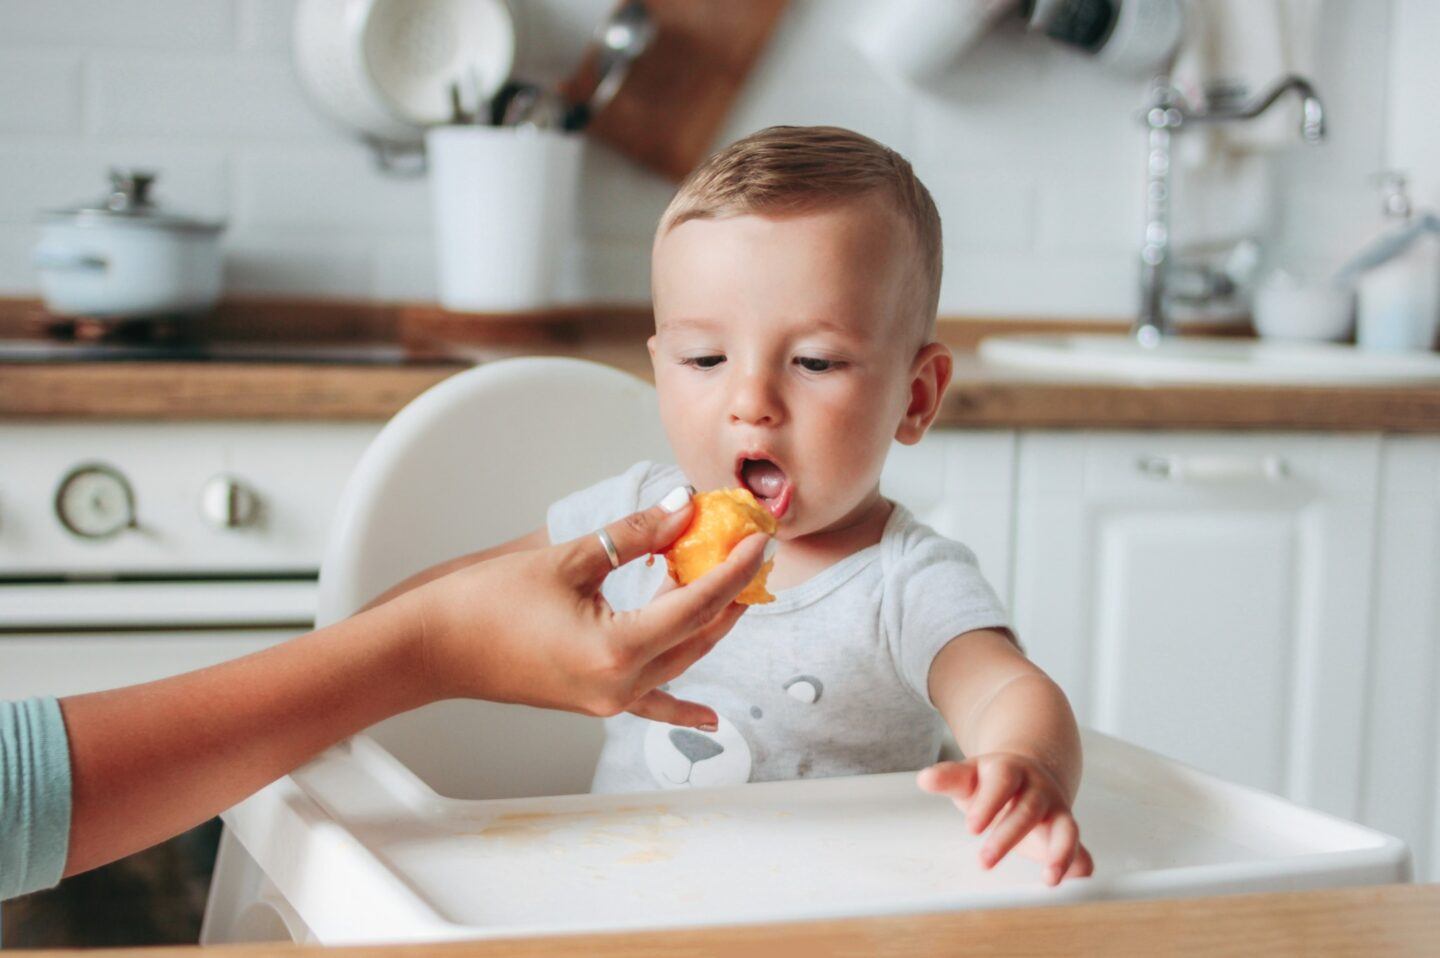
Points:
(1166, 114)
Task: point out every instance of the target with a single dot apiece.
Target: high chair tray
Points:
(362, 850)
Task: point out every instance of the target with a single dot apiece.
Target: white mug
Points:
(504, 205)
(918, 40)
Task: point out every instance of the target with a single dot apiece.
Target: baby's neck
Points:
(801, 559)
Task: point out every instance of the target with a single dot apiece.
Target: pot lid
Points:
(129, 202)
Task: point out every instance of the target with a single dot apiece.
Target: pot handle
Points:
(69, 260)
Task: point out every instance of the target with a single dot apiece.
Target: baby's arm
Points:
(1022, 750)
(538, 539)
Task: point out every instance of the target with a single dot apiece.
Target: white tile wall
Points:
(1413, 133)
(40, 93)
(1327, 206)
(157, 25)
(1033, 154)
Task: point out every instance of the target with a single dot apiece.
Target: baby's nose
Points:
(755, 400)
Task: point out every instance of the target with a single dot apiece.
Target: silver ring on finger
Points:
(611, 552)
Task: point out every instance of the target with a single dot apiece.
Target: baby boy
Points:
(795, 279)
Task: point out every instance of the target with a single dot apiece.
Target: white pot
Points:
(124, 258)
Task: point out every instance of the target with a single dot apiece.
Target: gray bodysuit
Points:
(829, 679)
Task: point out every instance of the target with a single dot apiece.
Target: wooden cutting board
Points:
(676, 96)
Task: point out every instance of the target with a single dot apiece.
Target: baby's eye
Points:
(703, 362)
(814, 364)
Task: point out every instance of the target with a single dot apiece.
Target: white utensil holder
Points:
(504, 203)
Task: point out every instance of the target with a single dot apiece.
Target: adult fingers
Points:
(673, 617)
(667, 584)
(1025, 813)
(671, 663)
(956, 779)
(640, 533)
(663, 707)
(1062, 848)
(997, 786)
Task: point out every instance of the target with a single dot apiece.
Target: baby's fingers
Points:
(1025, 813)
(955, 779)
(1062, 849)
(996, 787)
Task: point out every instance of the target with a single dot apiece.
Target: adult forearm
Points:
(149, 761)
(1030, 716)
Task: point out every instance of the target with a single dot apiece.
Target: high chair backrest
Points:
(473, 462)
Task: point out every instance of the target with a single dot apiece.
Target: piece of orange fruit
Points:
(723, 517)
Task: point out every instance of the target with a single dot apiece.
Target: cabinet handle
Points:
(1214, 468)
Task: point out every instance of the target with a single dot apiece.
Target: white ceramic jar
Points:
(125, 258)
(505, 208)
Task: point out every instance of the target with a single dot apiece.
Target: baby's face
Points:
(782, 358)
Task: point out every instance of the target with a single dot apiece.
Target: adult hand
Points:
(533, 628)
(149, 761)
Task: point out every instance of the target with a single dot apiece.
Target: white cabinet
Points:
(1402, 742)
(961, 484)
(1207, 596)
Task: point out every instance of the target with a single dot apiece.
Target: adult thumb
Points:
(640, 533)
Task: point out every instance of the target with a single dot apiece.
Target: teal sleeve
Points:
(34, 796)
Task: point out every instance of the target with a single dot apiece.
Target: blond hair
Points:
(790, 169)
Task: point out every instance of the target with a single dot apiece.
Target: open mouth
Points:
(767, 481)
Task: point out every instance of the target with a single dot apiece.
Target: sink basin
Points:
(1201, 360)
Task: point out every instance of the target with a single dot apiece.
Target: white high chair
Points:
(350, 848)
(473, 462)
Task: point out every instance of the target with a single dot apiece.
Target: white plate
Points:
(414, 50)
(384, 67)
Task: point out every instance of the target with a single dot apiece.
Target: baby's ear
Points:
(929, 378)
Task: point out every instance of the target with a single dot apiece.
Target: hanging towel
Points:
(1246, 45)
(1223, 190)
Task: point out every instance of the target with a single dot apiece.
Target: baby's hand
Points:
(1025, 804)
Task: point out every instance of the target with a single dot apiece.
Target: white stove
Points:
(130, 551)
(204, 537)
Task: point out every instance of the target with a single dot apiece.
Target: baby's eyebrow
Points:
(832, 326)
(679, 325)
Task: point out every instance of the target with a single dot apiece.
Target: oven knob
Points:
(95, 502)
(227, 503)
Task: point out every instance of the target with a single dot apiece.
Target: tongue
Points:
(763, 477)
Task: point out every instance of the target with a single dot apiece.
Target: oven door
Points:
(67, 638)
(64, 638)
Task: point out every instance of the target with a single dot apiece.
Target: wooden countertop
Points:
(1383, 920)
(981, 395)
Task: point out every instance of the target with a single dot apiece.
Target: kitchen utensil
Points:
(619, 41)
(504, 205)
(384, 67)
(125, 257)
(535, 107)
(467, 103)
(675, 97)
